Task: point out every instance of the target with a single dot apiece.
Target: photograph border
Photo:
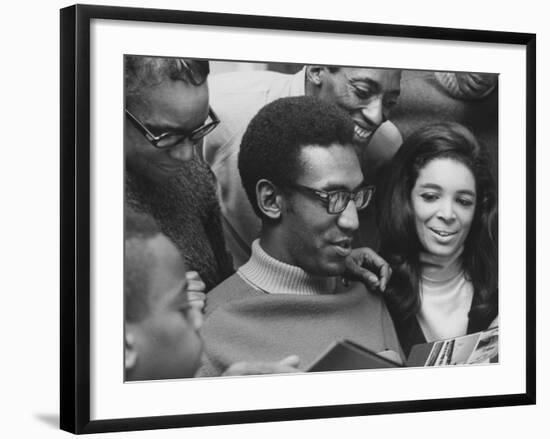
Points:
(75, 213)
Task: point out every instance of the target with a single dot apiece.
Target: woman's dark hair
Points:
(399, 240)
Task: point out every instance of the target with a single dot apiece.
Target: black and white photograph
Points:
(275, 219)
(274, 210)
(292, 219)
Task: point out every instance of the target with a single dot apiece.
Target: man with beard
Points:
(167, 113)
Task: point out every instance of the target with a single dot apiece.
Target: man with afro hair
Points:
(302, 175)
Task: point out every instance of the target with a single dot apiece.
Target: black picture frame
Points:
(75, 217)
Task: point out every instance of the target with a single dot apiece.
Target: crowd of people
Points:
(268, 215)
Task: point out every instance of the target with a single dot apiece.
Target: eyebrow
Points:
(371, 83)
(340, 187)
(375, 85)
(439, 188)
(163, 129)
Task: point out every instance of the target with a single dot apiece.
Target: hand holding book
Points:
(480, 347)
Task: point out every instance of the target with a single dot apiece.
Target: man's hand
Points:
(366, 265)
(286, 365)
(196, 296)
(476, 85)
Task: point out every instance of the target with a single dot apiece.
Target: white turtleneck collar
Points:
(446, 297)
(272, 276)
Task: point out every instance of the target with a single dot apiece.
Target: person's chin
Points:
(443, 251)
(334, 267)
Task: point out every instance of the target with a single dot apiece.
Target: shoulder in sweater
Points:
(231, 289)
(235, 290)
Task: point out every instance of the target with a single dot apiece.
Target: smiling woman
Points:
(438, 216)
(443, 201)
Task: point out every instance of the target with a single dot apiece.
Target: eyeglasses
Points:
(171, 139)
(337, 201)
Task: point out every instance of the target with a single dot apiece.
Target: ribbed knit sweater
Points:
(269, 310)
(445, 306)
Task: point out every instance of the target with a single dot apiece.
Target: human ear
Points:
(314, 74)
(269, 201)
(130, 349)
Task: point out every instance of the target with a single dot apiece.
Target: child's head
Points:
(160, 340)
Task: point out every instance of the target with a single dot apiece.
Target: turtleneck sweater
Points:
(272, 276)
(445, 307)
(446, 297)
(269, 310)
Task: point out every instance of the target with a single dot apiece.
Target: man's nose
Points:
(373, 112)
(183, 151)
(348, 219)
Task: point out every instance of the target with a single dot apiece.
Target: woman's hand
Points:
(196, 297)
(366, 265)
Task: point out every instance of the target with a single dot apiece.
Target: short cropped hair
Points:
(138, 264)
(146, 71)
(271, 146)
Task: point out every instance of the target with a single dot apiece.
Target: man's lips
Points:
(171, 166)
(343, 247)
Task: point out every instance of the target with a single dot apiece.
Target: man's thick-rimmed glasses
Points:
(173, 138)
(337, 201)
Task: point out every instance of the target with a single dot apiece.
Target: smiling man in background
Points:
(367, 94)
